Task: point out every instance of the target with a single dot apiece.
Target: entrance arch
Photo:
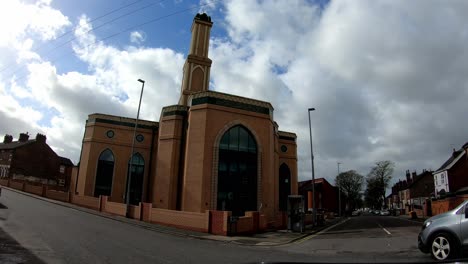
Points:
(237, 172)
(284, 186)
(136, 184)
(104, 174)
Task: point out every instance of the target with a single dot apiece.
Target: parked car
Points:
(355, 213)
(384, 212)
(444, 235)
(376, 212)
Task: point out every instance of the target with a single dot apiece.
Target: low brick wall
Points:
(245, 225)
(112, 207)
(135, 211)
(86, 201)
(17, 185)
(447, 204)
(34, 189)
(219, 222)
(4, 182)
(185, 220)
(57, 195)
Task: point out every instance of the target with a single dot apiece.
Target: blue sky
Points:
(388, 78)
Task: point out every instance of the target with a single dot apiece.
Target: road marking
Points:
(385, 229)
(321, 232)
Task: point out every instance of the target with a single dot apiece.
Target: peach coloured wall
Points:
(57, 195)
(113, 208)
(86, 201)
(168, 162)
(135, 211)
(187, 220)
(34, 189)
(96, 141)
(17, 185)
(219, 222)
(206, 123)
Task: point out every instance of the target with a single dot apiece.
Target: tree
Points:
(377, 182)
(350, 183)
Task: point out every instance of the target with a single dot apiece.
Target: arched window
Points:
(284, 186)
(237, 172)
(104, 174)
(136, 185)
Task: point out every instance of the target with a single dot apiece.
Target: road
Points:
(58, 234)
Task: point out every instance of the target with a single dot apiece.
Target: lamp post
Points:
(129, 179)
(339, 191)
(314, 213)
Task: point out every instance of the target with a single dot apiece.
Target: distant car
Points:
(384, 212)
(376, 212)
(355, 213)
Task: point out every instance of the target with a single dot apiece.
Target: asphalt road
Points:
(58, 234)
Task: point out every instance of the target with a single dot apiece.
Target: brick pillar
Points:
(146, 211)
(255, 220)
(102, 202)
(44, 190)
(219, 222)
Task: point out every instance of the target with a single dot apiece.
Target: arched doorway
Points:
(284, 186)
(104, 174)
(237, 172)
(136, 184)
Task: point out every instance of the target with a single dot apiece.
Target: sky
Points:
(388, 79)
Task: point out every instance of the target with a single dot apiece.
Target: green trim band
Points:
(121, 123)
(287, 138)
(231, 104)
(176, 112)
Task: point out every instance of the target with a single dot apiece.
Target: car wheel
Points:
(442, 247)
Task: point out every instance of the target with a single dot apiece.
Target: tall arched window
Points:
(104, 174)
(136, 184)
(284, 186)
(237, 172)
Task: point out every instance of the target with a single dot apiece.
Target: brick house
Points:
(33, 160)
(326, 195)
(452, 175)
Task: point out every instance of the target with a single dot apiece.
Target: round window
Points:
(140, 137)
(284, 148)
(110, 133)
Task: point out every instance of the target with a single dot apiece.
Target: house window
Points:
(442, 179)
(62, 169)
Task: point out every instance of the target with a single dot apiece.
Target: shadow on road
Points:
(12, 252)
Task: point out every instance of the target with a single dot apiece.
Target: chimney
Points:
(41, 138)
(408, 176)
(23, 137)
(8, 139)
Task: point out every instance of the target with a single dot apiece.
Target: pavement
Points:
(269, 238)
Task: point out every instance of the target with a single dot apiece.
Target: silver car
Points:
(446, 234)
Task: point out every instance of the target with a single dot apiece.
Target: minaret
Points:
(196, 75)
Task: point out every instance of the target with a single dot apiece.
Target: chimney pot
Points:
(23, 137)
(41, 138)
(8, 139)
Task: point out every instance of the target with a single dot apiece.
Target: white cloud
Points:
(137, 37)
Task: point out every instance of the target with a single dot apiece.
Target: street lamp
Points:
(127, 195)
(314, 213)
(339, 191)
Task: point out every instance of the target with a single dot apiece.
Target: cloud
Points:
(387, 81)
(137, 37)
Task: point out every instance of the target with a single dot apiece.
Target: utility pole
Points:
(314, 211)
(339, 191)
(130, 167)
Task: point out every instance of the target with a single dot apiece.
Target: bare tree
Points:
(377, 181)
(350, 183)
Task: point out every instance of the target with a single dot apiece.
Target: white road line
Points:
(321, 232)
(385, 229)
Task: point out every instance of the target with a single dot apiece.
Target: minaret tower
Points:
(196, 75)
